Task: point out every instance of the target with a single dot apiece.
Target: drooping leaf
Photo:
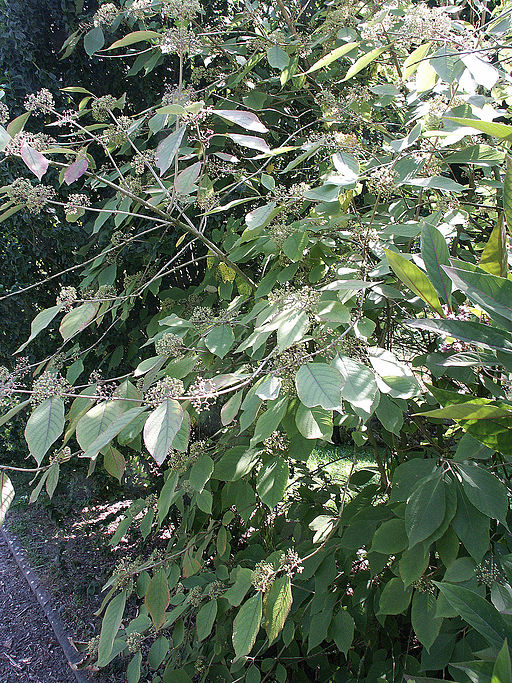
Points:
(364, 61)
(75, 170)
(113, 429)
(44, 427)
(95, 421)
(484, 491)
(205, 619)
(423, 618)
(244, 119)
(110, 626)
(40, 322)
(168, 148)
(77, 319)
(272, 481)
(157, 598)
(34, 160)
(425, 509)
(435, 254)
(477, 611)
(94, 40)
(161, 427)
(341, 630)
(332, 56)
(492, 293)
(414, 278)
(246, 625)
(319, 384)
(277, 604)
(250, 141)
(359, 386)
(220, 340)
(134, 37)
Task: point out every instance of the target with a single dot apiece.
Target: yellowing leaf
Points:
(414, 278)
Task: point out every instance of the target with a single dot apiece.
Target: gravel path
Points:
(29, 651)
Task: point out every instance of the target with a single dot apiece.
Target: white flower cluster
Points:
(40, 102)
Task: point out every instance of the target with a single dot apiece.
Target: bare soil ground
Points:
(29, 651)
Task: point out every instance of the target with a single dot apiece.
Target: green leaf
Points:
(424, 622)
(502, 671)
(246, 625)
(250, 141)
(471, 527)
(77, 319)
(133, 669)
(319, 384)
(166, 497)
(465, 330)
(359, 386)
(157, 598)
(184, 181)
(91, 425)
(393, 377)
(476, 611)
(134, 37)
(408, 475)
(395, 597)
(6, 495)
(493, 294)
(237, 592)
(110, 626)
(277, 57)
(390, 538)
(414, 278)
(44, 427)
(235, 464)
(40, 322)
(413, 61)
(158, 652)
(434, 252)
(319, 627)
(331, 57)
(205, 619)
(112, 431)
(168, 148)
(425, 509)
(272, 481)
(363, 62)
(220, 340)
(277, 604)
(201, 472)
(341, 631)
(161, 427)
(496, 130)
(94, 40)
(314, 423)
(269, 420)
(494, 256)
(484, 491)
(13, 411)
(294, 325)
(507, 206)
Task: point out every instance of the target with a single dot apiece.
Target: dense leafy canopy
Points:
(298, 233)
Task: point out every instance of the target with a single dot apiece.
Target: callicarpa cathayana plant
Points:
(300, 239)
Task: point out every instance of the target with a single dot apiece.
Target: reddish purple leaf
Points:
(75, 170)
(36, 162)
